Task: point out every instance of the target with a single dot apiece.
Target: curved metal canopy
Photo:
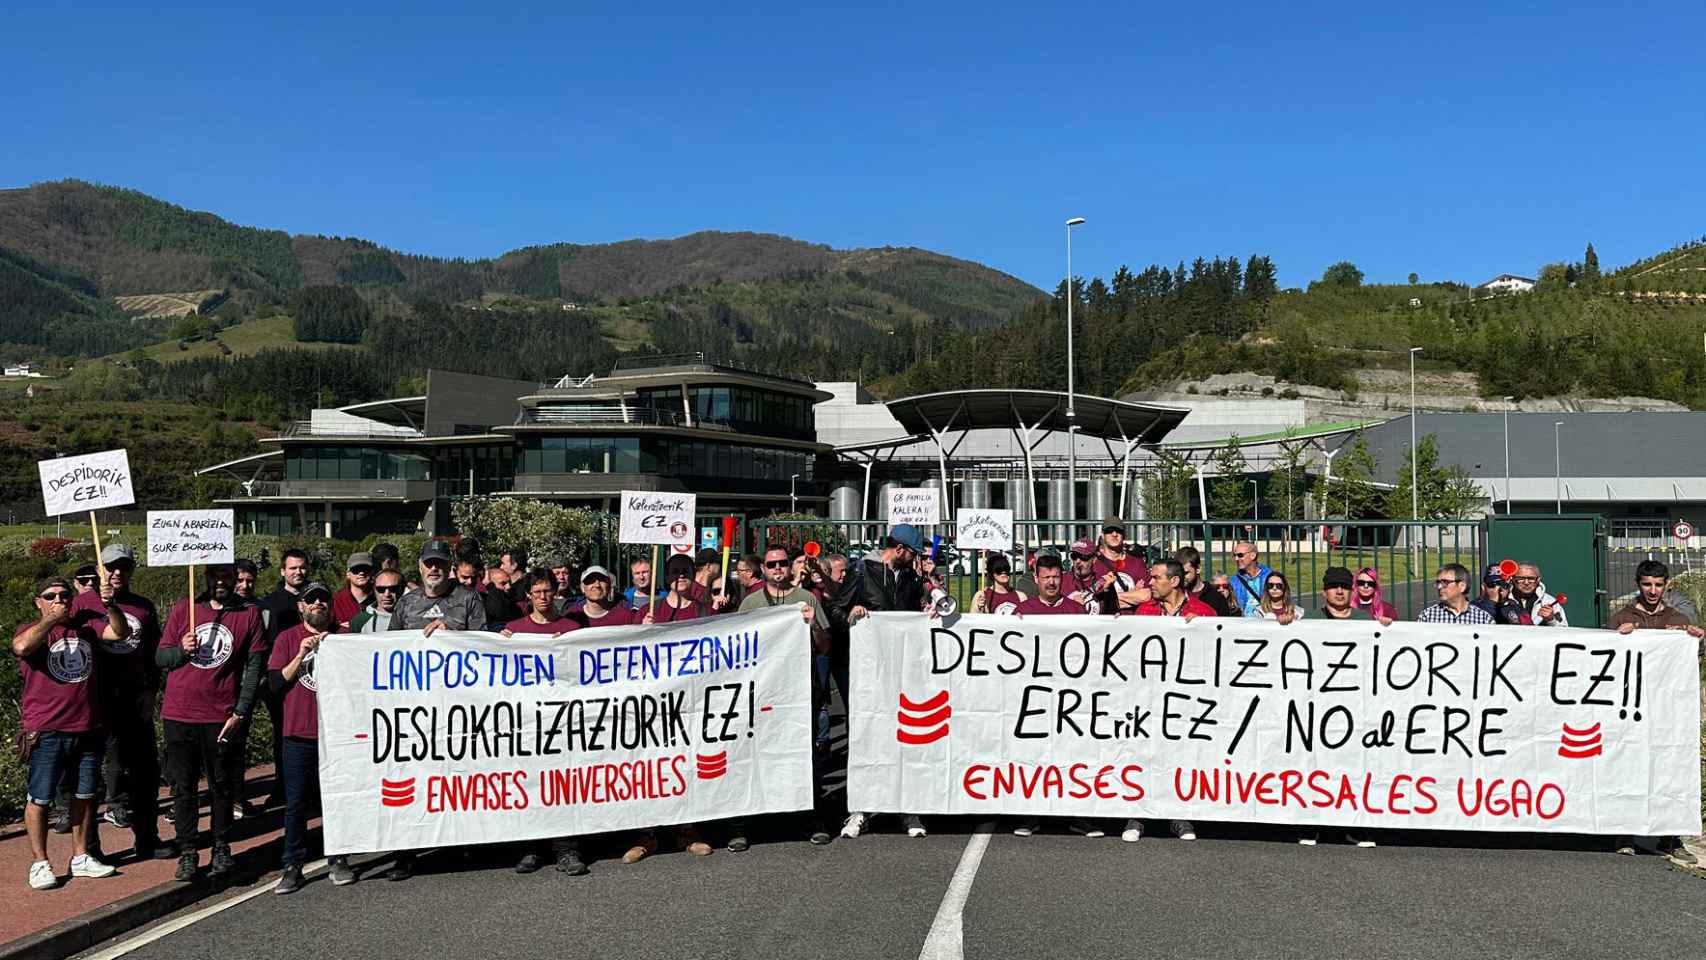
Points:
(1035, 410)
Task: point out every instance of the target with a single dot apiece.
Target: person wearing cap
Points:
(999, 596)
(129, 685)
(62, 721)
(86, 579)
(1118, 569)
(212, 677)
(705, 564)
(1336, 587)
(599, 609)
(290, 673)
(542, 616)
(1190, 558)
(677, 603)
(388, 590)
(1495, 598)
(357, 591)
(1079, 580)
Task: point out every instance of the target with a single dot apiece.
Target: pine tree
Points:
(1590, 266)
(1228, 492)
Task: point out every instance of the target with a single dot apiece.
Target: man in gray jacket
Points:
(387, 594)
(441, 603)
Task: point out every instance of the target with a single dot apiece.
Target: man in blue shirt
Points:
(1249, 576)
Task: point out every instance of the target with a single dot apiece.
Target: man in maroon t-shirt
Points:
(1049, 599)
(62, 720)
(1168, 596)
(1079, 581)
(541, 616)
(357, 592)
(1125, 573)
(600, 608)
(290, 674)
(129, 687)
(212, 675)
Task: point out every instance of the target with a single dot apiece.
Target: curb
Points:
(73, 936)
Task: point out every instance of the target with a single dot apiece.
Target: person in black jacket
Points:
(889, 582)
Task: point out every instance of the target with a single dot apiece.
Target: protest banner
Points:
(659, 519)
(981, 529)
(1416, 726)
(180, 538)
(465, 737)
(919, 506)
(94, 481)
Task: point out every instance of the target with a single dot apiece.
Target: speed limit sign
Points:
(1682, 530)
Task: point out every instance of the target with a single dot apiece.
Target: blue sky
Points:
(1457, 140)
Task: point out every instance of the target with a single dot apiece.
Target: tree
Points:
(1228, 497)
(1590, 266)
(1442, 493)
(1342, 274)
(1556, 276)
(1414, 279)
(1287, 484)
(1167, 487)
(542, 529)
(1352, 494)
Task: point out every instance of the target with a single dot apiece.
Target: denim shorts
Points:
(57, 753)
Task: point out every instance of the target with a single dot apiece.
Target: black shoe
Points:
(186, 868)
(738, 844)
(820, 837)
(62, 821)
(528, 863)
(342, 875)
(572, 864)
(289, 881)
(118, 817)
(222, 864)
(403, 869)
(150, 848)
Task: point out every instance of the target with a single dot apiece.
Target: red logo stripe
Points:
(1593, 751)
(918, 739)
(936, 701)
(1582, 732)
(907, 720)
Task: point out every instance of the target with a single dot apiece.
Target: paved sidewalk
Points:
(35, 921)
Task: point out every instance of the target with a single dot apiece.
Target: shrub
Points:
(49, 548)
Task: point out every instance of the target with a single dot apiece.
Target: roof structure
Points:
(1320, 431)
(959, 410)
(396, 411)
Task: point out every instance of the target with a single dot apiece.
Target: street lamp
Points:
(1557, 466)
(1508, 455)
(1255, 501)
(1415, 486)
(793, 500)
(1071, 388)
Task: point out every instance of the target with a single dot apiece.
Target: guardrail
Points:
(306, 429)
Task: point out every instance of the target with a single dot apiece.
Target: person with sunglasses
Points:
(1453, 606)
(677, 602)
(1080, 583)
(357, 592)
(1119, 571)
(1276, 602)
(999, 596)
(1366, 596)
(388, 589)
(86, 578)
(1249, 578)
(1221, 584)
(62, 721)
(290, 674)
(1336, 603)
(1495, 598)
(213, 675)
(598, 608)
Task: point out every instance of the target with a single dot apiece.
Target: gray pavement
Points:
(1234, 893)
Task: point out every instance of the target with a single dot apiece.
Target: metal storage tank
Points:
(1103, 499)
(844, 501)
(1060, 507)
(974, 493)
(1018, 498)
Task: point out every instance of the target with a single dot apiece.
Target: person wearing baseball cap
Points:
(1118, 570)
(1496, 599)
(1080, 582)
(1336, 587)
(705, 564)
(86, 578)
(357, 592)
(600, 609)
(129, 686)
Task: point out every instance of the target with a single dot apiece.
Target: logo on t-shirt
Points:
(432, 613)
(306, 675)
(213, 645)
(128, 644)
(69, 659)
(1007, 608)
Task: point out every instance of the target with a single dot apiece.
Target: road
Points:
(1236, 892)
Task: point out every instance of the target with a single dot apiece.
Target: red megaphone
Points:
(813, 548)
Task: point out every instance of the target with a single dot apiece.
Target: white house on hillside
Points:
(1508, 283)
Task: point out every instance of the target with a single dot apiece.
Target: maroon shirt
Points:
(1071, 583)
(619, 615)
(301, 702)
(994, 602)
(1036, 605)
(550, 628)
(58, 690)
(205, 688)
(129, 659)
(345, 606)
(1192, 606)
(1129, 564)
(668, 614)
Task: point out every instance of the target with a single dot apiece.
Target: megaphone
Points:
(943, 602)
(812, 548)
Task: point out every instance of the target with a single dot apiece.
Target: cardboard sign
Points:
(94, 481)
(182, 538)
(661, 518)
(919, 506)
(981, 529)
(466, 738)
(1328, 723)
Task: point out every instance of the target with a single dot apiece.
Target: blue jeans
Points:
(301, 778)
(55, 754)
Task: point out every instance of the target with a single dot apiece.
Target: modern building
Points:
(738, 438)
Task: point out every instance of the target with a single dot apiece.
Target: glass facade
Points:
(348, 522)
(354, 463)
(490, 467)
(742, 408)
(710, 465)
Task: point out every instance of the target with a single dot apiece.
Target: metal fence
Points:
(1406, 555)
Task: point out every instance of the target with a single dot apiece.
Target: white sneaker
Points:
(42, 876)
(236, 811)
(1026, 829)
(853, 826)
(1133, 831)
(1085, 829)
(1307, 839)
(1183, 829)
(914, 825)
(87, 866)
(1361, 841)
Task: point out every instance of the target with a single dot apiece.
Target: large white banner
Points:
(467, 737)
(1411, 726)
(94, 481)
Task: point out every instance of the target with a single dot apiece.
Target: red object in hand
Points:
(1508, 568)
(728, 532)
(1559, 599)
(813, 548)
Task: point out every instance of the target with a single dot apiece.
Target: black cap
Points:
(54, 581)
(1337, 577)
(1493, 576)
(706, 556)
(435, 550)
(86, 570)
(314, 587)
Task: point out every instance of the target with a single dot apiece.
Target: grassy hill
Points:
(239, 340)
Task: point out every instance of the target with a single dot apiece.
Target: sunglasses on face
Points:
(1118, 530)
(1365, 583)
(320, 601)
(1239, 554)
(1276, 586)
(86, 581)
(1445, 583)
(393, 588)
(775, 564)
(56, 597)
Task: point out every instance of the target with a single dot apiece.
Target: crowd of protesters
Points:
(99, 662)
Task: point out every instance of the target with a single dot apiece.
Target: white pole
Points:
(1071, 386)
(1508, 455)
(1558, 465)
(1415, 486)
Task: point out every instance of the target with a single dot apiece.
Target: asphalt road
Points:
(1233, 893)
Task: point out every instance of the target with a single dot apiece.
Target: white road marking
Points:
(947, 934)
(195, 916)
